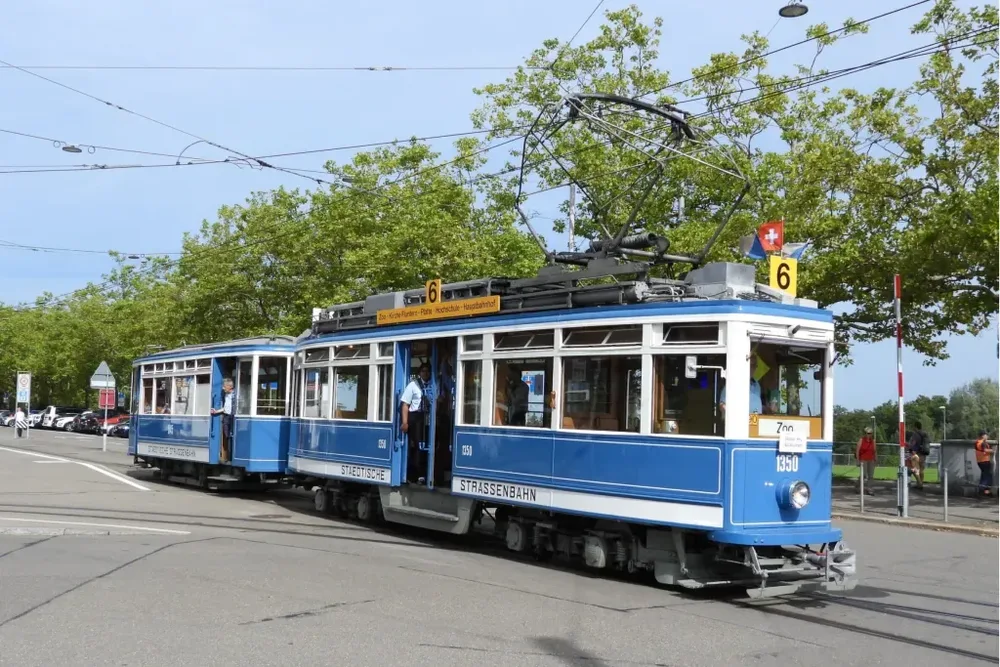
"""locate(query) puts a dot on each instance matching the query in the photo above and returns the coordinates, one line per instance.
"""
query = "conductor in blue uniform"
(414, 411)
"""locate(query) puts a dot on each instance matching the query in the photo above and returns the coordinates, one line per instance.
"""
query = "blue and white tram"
(682, 427)
(175, 392)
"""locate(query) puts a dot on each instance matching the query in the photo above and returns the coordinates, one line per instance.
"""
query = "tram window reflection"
(203, 395)
(352, 392)
(244, 389)
(271, 374)
(472, 391)
(317, 393)
(522, 388)
(385, 392)
(147, 396)
(687, 406)
(602, 393)
(791, 380)
(184, 390)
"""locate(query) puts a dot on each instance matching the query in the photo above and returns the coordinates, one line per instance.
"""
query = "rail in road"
(261, 579)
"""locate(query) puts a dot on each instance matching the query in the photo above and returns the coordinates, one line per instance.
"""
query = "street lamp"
(793, 10)
(874, 432)
(944, 409)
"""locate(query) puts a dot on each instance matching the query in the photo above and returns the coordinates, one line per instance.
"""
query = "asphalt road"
(100, 568)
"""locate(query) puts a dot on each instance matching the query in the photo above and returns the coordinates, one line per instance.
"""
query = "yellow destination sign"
(440, 310)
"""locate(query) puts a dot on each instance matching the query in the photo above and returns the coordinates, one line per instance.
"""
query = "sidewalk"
(926, 507)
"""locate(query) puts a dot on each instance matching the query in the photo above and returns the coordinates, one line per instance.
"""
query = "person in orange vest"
(984, 454)
(865, 453)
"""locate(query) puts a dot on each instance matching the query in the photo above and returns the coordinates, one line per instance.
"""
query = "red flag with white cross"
(772, 235)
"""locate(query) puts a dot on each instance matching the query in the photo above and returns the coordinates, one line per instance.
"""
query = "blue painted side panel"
(342, 441)
(172, 430)
(261, 444)
(133, 428)
(618, 464)
(754, 513)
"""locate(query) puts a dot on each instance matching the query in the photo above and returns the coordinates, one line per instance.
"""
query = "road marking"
(93, 466)
(51, 461)
(98, 525)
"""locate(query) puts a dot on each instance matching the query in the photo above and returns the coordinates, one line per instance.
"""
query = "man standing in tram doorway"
(756, 405)
(414, 410)
(227, 412)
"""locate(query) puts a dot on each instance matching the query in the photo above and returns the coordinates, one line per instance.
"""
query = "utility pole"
(572, 217)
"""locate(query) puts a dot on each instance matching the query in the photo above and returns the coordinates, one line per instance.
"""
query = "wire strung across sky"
(303, 216)
(797, 84)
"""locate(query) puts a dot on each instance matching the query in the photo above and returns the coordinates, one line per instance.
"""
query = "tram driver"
(756, 405)
(227, 411)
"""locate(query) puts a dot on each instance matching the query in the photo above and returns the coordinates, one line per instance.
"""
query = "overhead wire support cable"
(281, 68)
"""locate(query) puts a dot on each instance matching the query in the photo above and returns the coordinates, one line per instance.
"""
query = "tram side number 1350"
(787, 463)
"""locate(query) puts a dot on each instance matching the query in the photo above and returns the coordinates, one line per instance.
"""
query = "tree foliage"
(900, 179)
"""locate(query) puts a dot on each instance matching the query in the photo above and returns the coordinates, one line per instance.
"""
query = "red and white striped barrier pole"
(902, 506)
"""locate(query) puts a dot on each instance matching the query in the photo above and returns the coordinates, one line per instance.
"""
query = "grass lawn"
(881, 472)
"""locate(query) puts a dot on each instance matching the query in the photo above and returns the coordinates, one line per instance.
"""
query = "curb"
(982, 531)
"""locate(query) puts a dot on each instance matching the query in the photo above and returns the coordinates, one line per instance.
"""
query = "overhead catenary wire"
(281, 68)
(801, 82)
(223, 247)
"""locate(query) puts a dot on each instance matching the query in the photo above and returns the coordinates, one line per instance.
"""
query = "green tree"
(874, 185)
(973, 407)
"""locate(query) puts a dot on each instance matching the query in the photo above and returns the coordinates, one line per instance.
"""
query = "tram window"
(522, 388)
(690, 334)
(203, 395)
(319, 354)
(472, 391)
(148, 368)
(184, 390)
(687, 406)
(204, 363)
(147, 396)
(602, 393)
(352, 352)
(521, 340)
(790, 379)
(352, 392)
(271, 374)
(317, 393)
(385, 392)
(161, 395)
(385, 350)
(189, 364)
(245, 388)
(603, 336)
(472, 343)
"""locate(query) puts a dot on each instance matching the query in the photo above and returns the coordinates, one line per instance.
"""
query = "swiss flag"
(772, 235)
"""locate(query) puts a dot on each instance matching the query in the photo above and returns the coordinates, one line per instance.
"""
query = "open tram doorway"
(430, 372)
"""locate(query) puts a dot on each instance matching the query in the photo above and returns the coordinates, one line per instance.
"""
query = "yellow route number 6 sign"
(784, 274)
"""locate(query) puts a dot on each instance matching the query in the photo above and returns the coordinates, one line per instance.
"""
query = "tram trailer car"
(679, 427)
(172, 428)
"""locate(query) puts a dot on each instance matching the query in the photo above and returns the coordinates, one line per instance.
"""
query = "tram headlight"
(794, 495)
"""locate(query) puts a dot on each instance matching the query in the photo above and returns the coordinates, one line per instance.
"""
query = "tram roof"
(702, 310)
(224, 348)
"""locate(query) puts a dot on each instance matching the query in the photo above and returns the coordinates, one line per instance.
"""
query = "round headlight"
(799, 495)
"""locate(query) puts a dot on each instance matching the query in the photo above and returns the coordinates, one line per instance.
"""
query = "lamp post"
(944, 434)
(793, 10)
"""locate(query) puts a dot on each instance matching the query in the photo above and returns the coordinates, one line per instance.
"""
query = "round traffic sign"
(24, 380)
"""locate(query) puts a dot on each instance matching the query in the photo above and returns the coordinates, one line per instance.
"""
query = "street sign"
(784, 274)
(121, 399)
(24, 387)
(106, 400)
(102, 377)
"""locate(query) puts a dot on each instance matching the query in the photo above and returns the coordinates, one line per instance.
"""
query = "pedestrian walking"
(20, 422)
(865, 454)
(984, 455)
(920, 447)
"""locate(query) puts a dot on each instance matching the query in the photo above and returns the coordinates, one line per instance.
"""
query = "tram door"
(424, 457)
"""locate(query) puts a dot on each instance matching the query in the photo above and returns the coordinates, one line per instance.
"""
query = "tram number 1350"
(787, 463)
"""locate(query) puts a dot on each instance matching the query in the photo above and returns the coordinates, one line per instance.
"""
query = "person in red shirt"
(866, 459)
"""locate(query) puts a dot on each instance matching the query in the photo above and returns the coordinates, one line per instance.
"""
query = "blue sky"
(258, 113)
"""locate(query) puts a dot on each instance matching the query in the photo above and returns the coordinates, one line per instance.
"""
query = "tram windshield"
(790, 380)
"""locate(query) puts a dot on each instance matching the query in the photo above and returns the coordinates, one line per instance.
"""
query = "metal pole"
(861, 472)
(104, 428)
(944, 481)
(902, 508)
(572, 217)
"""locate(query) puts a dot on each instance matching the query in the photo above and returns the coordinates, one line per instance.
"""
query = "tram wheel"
(365, 509)
(321, 501)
